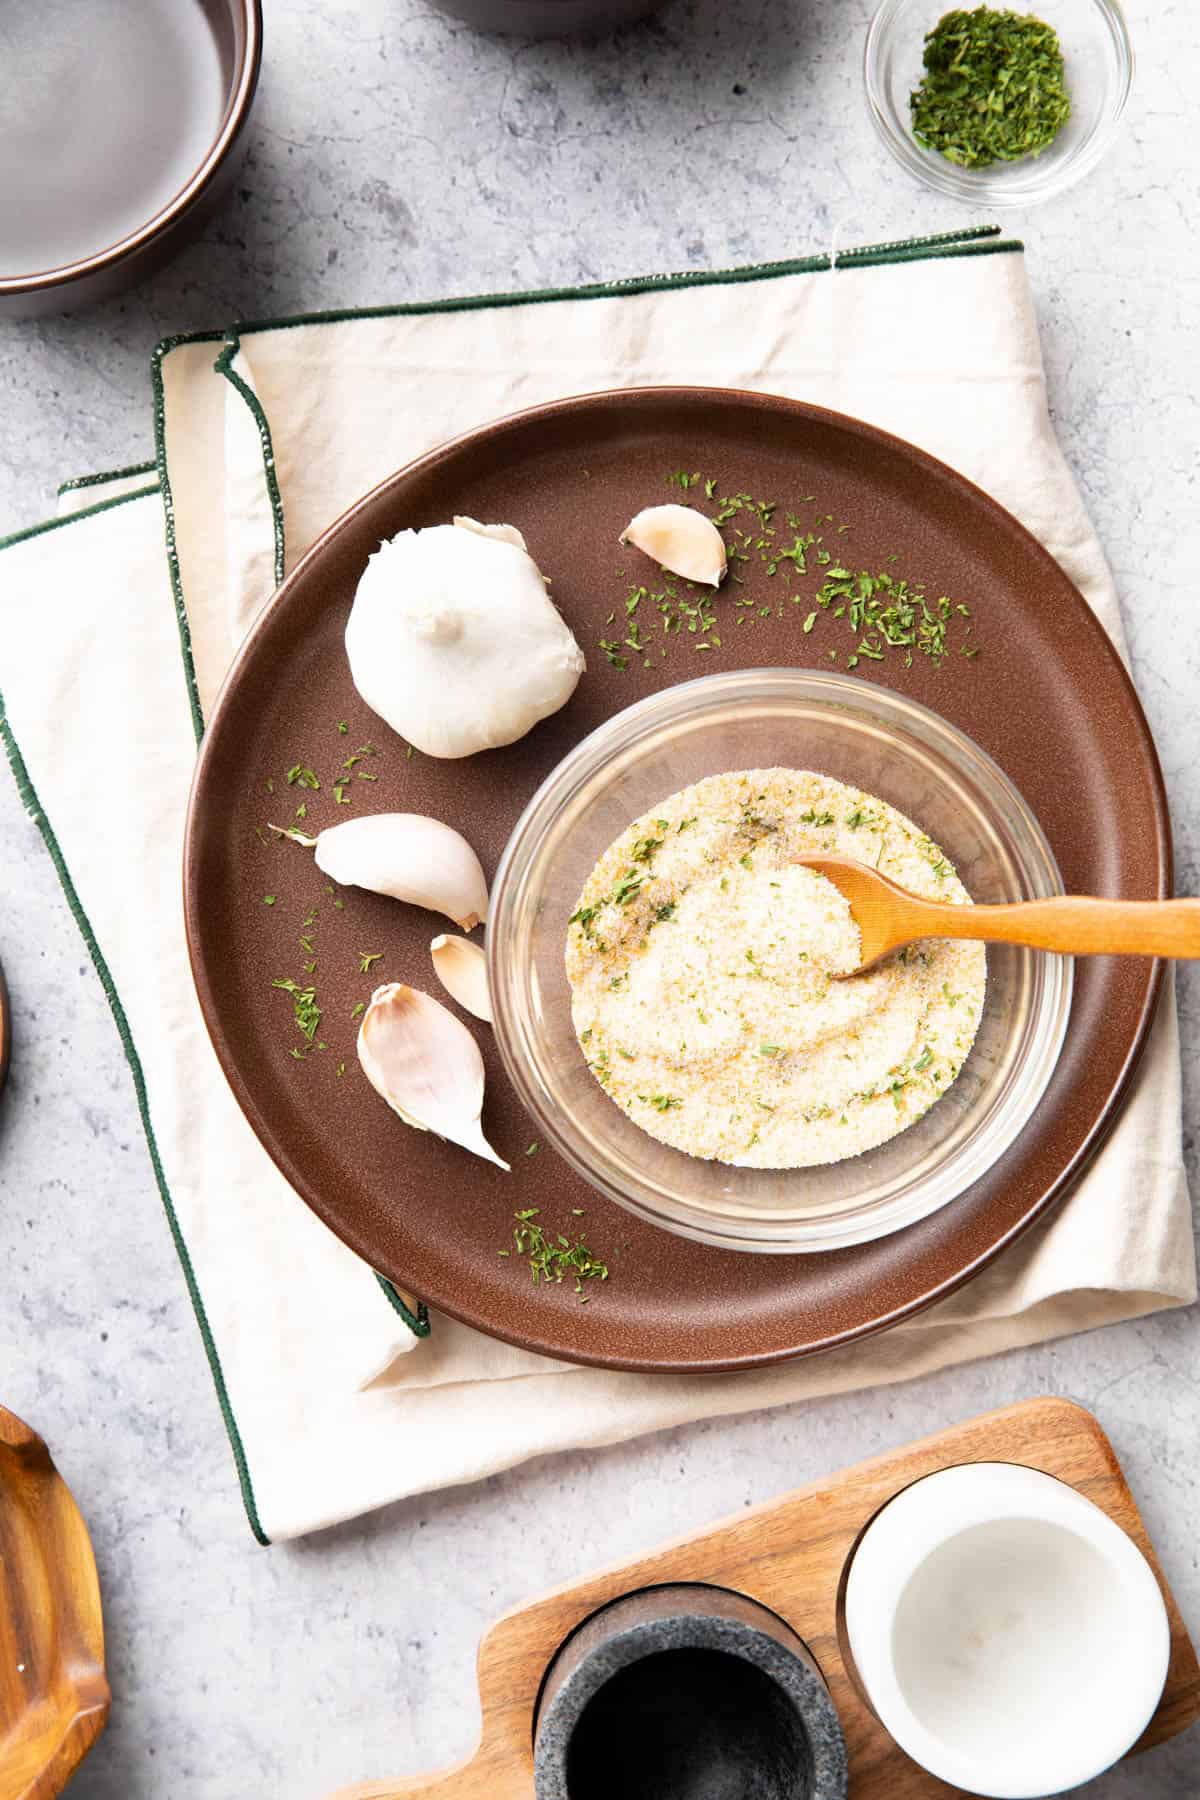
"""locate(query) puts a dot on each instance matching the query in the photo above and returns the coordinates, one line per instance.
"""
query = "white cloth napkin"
(935, 341)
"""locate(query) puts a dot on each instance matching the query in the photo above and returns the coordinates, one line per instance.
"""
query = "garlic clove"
(408, 857)
(681, 540)
(504, 534)
(426, 1065)
(454, 641)
(461, 967)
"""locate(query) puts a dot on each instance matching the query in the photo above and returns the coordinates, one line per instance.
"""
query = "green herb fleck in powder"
(627, 887)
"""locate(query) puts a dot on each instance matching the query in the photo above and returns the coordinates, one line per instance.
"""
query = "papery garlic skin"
(679, 539)
(408, 857)
(461, 967)
(453, 640)
(505, 534)
(426, 1065)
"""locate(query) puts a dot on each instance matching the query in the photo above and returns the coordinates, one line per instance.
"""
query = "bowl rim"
(972, 185)
(910, 1528)
(705, 1615)
(247, 66)
(652, 712)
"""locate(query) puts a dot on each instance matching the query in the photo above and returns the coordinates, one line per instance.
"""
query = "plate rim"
(649, 396)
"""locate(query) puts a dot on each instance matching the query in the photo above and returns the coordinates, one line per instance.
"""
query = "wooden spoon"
(888, 916)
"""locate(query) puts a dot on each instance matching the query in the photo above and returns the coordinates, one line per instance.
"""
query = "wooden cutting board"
(791, 1555)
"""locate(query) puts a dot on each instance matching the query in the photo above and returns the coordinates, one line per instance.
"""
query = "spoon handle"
(1080, 926)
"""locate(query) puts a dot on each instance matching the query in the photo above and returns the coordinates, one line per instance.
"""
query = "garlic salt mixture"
(702, 961)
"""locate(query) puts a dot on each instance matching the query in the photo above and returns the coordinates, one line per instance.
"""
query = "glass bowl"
(868, 737)
(1099, 71)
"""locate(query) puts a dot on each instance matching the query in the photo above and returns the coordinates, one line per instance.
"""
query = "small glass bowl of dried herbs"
(998, 105)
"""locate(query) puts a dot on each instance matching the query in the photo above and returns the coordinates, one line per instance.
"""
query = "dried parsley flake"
(993, 88)
(553, 1259)
(305, 1010)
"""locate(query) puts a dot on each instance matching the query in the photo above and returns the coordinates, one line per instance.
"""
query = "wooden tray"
(54, 1698)
(790, 1555)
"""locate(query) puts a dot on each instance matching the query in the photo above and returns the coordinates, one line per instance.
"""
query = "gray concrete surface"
(394, 155)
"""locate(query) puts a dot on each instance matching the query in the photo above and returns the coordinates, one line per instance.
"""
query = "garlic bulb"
(681, 540)
(426, 1065)
(407, 857)
(461, 967)
(453, 640)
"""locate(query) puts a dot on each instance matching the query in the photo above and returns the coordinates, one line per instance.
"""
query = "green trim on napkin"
(84, 512)
(224, 366)
(161, 351)
(417, 1322)
(102, 478)
(33, 806)
(972, 240)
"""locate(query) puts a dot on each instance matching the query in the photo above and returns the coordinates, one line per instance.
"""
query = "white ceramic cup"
(1010, 1637)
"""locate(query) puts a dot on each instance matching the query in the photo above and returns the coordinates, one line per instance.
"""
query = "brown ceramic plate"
(54, 1698)
(1047, 697)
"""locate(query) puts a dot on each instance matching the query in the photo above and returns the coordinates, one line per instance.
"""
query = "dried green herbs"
(993, 88)
(892, 618)
(554, 1258)
(306, 1012)
(889, 614)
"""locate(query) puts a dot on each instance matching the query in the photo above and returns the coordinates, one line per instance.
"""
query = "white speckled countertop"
(394, 155)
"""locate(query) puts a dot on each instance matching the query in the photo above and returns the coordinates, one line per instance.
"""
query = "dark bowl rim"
(237, 111)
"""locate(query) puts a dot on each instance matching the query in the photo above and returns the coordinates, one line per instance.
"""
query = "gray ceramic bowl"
(687, 1693)
(550, 18)
(118, 126)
